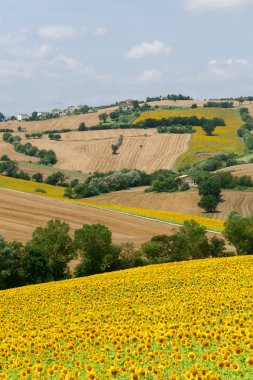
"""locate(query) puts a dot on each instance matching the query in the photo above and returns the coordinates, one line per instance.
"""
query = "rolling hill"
(166, 321)
(184, 202)
(21, 213)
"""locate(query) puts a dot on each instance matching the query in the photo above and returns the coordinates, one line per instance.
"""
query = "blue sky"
(96, 52)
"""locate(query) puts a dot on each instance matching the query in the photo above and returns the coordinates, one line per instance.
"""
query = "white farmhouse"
(187, 179)
(22, 117)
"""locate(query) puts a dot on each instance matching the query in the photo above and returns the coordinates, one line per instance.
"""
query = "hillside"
(182, 202)
(165, 321)
(140, 150)
(21, 213)
(71, 122)
(240, 170)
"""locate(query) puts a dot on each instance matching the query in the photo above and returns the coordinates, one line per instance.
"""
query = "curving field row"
(144, 151)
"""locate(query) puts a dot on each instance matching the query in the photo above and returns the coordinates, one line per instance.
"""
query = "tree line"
(208, 125)
(47, 255)
(245, 130)
(47, 157)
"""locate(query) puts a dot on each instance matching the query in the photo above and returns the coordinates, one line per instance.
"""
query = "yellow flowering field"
(57, 192)
(188, 320)
(225, 138)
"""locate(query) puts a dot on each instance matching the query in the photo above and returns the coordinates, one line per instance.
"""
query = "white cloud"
(227, 69)
(148, 49)
(77, 67)
(57, 32)
(101, 31)
(208, 5)
(151, 75)
(237, 61)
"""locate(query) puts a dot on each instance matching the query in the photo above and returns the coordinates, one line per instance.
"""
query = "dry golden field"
(91, 151)
(21, 213)
(71, 122)
(182, 203)
(240, 170)
(6, 148)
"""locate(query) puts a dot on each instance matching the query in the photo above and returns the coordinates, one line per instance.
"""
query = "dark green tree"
(35, 265)
(82, 127)
(95, 248)
(193, 240)
(239, 231)
(55, 245)
(57, 178)
(103, 117)
(208, 203)
(208, 128)
(10, 264)
(37, 177)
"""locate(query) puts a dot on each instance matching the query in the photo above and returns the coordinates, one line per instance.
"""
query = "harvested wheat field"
(71, 122)
(239, 170)
(91, 151)
(21, 213)
(182, 203)
(6, 148)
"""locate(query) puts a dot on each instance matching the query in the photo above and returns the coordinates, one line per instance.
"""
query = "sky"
(71, 52)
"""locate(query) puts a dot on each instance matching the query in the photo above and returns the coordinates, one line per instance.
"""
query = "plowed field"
(21, 213)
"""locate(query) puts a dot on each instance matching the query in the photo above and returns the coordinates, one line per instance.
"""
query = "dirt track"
(21, 213)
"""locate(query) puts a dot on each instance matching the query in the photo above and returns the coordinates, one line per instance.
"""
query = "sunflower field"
(187, 320)
(224, 140)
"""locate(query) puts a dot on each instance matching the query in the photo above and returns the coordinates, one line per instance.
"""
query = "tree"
(115, 148)
(34, 116)
(37, 177)
(208, 203)
(217, 247)
(159, 248)
(10, 264)
(135, 104)
(208, 128)
(239, 232)
(114, 115)
(103, 117)
(55, 246)
(193, 239)
(2, 117)
(57, 178)
(35, 266)
(82, 127)
(210, 186)
(94, 245)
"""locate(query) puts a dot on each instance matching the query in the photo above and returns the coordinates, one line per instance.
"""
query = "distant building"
(42, 115)
(187, 179)
(56, 111)
(127, 106)
(70, 109)
(23, 117)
